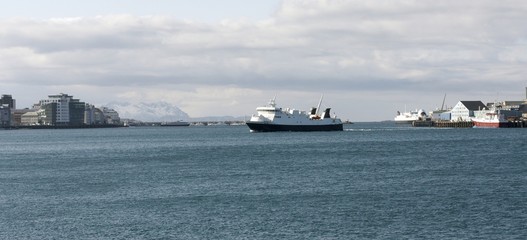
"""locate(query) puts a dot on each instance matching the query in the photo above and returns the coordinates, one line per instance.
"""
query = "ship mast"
(272, 102)
(319, 103)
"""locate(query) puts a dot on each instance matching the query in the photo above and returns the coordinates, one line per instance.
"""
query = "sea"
(370, 181)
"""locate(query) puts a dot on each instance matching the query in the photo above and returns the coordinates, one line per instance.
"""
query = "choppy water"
(373, 180)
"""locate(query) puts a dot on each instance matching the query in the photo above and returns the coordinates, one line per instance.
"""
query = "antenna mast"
(319, 103)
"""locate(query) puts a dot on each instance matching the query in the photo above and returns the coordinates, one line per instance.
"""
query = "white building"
(62, 112)
(464, 110)
(29, 119)
(62, 109)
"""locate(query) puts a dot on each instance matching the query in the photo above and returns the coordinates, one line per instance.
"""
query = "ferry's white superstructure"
(409, 117)
(272, 118)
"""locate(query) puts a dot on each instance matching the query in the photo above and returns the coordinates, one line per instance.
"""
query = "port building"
(29, 118)
(5, 116)
(61, 110)
(464, 110)
(7, 105)
(8, 99)
(112, 117)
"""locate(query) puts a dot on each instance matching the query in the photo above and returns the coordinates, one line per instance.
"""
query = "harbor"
(464, 124)
(468, 114)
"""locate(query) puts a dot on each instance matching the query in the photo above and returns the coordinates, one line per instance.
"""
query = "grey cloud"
(339, 45)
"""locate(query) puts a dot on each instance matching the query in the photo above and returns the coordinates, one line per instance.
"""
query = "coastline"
(65, 127)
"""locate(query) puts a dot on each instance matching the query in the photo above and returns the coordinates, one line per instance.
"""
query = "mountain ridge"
(160, 112)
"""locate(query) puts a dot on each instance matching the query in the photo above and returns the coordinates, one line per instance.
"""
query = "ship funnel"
(326, 114)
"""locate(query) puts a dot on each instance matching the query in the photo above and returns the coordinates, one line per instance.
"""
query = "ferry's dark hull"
(266, 127)
(176, 124)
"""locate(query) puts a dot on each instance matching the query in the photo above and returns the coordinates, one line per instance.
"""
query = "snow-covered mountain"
(149, 112)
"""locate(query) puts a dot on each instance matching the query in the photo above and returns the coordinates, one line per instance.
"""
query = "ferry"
(409, 117)
(175, 124)
(271, 118)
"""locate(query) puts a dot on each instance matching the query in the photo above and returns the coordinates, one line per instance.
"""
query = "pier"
(517, 124)
(465, 124)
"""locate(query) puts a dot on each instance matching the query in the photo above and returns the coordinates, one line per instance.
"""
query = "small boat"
(271, 118)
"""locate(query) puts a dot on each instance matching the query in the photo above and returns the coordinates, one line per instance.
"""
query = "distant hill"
(218, 119)
(149, 112)
(161, 112)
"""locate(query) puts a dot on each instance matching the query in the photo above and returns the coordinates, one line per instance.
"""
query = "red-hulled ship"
(490, 119)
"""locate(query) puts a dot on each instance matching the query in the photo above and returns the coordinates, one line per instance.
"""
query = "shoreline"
(65, 127)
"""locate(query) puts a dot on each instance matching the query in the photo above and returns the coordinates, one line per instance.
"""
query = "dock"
(464, 124)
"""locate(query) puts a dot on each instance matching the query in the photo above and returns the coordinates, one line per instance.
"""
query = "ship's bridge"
(268, 109)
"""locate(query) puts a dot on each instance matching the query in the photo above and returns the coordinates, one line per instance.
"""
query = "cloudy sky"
(210, 58)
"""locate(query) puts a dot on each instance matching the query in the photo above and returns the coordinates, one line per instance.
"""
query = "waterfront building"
(523, 106)
(523, 110)
(445, 116)
(507, 105)
(16, 115)
(464, 110)
(62, 109)
(29, 119)
(439, 115)
(7, 105)
(8, 99)
(5, 115)
(47, 115)
(76, 112)
(112, 117)
(93, 116)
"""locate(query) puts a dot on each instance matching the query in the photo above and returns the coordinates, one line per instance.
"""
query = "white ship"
(272, 118)
(492, 118)
(409, 117)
